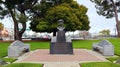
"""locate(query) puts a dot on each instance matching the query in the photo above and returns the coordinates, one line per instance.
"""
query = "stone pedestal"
(61, 44)
(61, 38)
(61, 48)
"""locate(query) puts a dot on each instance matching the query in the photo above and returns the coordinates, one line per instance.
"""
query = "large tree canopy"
(45, 18)
(109, 9)
(64, 12)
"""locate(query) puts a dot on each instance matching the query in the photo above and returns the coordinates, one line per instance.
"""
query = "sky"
(97, 23)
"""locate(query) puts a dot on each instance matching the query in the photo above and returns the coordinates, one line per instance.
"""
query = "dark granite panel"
(61, 48)
(61, 37)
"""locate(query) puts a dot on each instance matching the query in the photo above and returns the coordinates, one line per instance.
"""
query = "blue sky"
(97, 22)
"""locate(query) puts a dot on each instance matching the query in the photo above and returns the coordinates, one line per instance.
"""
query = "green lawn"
(10, 60)
(39, 45)
(99, 64)
(116, 43)
(3, 48)
(33, 45)
(24, 65)
(112, 59)
(77, 44)
(84, 44)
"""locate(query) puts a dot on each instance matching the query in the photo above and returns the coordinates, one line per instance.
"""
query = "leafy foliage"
(64, 12)
(106, 8)
(105, 32)
(73, 14)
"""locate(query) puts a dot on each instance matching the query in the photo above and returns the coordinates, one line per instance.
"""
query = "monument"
(61, 44)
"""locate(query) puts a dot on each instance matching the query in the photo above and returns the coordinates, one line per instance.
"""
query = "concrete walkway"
(61, 64)
(58, 60)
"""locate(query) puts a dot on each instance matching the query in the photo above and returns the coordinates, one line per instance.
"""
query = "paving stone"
(80, 55)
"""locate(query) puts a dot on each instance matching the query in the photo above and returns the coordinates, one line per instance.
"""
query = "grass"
(3, 49)
(84, 44)
(112, 59)
(116, 43)
(33, 46)
(24, 65)
(78, 44)
(99, 64)
(11, 60)
(87, 44)
(39, 45)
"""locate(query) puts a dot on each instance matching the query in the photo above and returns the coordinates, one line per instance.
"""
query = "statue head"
(60, 25)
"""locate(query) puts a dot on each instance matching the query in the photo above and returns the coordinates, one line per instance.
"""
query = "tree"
(105, 32)
(109, 9)
(1, 28)
(17, 10)
(73, 14)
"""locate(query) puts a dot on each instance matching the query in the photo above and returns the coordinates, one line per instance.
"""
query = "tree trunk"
(118, 29)
(22, 30)
(16, 31)
(20, 36)
(116, 18)
(24, 27)
(17, 34)
(54, 33)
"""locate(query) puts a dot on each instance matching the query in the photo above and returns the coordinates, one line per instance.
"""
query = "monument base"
(61, 48)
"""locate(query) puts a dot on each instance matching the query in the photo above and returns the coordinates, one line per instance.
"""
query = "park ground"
(77, 44)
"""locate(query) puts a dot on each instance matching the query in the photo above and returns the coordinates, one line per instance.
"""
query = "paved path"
(80, 55)
(61, 64)
(58, 60)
